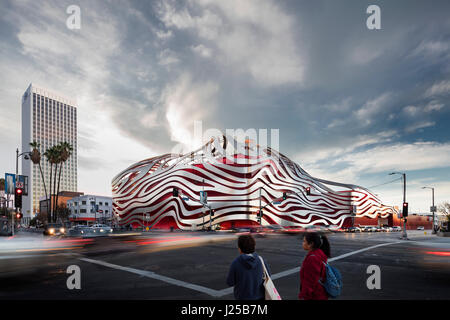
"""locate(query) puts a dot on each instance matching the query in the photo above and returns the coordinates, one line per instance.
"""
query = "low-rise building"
(90, 209)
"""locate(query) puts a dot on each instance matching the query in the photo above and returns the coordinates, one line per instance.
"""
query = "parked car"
(80, 230)
(420, 228)
(370, 229)
(396, 229)
(353, 229)
(335, 228)
(54, 229)
(312, 228)
(101, 229)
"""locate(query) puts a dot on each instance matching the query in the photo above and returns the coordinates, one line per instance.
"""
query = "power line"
(378, 185)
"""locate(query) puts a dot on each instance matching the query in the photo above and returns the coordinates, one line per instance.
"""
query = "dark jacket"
(311, 271)
(246, 275)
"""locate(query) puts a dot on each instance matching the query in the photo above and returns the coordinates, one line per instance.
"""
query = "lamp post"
(433, 209)
(404, 235)
(27, 154)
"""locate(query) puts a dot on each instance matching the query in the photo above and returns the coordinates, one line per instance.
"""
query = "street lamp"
(404, 235)
(433, 208)
(26, 155)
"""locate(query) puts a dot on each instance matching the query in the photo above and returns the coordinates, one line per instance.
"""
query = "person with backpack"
(312, 271)
(246, 271)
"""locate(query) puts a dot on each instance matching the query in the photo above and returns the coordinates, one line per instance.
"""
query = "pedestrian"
(246, 271)
(313, 267)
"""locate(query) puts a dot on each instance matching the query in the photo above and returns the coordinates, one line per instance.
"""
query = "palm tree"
(57, 160)
(36, 158)
(66, 151)
(50, 154)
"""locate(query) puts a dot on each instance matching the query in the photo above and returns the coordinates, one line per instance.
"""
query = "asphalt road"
(179, 265)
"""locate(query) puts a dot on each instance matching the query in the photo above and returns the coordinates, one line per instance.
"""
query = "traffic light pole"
(433, 229)
(404, 236)
(259, 212)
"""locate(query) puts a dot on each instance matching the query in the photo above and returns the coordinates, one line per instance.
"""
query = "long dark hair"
(318, 241)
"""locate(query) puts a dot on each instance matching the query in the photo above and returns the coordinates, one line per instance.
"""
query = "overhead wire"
(382, 184)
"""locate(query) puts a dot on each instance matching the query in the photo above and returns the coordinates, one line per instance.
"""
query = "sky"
(351, 104)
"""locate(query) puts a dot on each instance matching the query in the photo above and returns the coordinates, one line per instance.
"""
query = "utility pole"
(433, 209)
(259, 212)
(404, 235)
(433, 230)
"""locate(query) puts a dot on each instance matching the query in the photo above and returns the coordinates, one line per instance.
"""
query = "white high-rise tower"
(47, 118)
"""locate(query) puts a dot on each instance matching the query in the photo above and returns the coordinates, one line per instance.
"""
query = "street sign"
(277, 202)
(185, 198)
(10, 183)
(433, 209)
(23, 180)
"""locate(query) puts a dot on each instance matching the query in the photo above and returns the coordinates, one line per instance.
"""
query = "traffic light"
(284, 195)
(308, 191)
(18, 197)
(19, 215)
(405, 209)
(175, 192)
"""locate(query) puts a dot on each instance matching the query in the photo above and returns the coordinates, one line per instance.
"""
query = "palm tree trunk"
(43, 181)
(54, 189)
(49, 202)
(59, 181)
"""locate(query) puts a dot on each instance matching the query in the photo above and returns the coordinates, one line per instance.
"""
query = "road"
(194, 265)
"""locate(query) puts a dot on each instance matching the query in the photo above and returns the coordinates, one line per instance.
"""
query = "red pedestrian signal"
(405, 209)
(308, 190)
(18, 197)
(19, 215)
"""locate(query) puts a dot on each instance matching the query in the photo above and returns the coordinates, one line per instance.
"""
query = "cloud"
(440, 88)
(364, 54)
(374, 106)
(419, 125)
(347, 145)
(256, 39)
(167, 57)
(433, 106)
(430, 49)
(406, 157)
(186, 101)
(202, 50)
(411, 110)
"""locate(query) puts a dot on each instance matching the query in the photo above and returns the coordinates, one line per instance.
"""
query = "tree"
(41, 217)
(51, 155)
(63, 213)
(65, 150)
(36, 159)
(444, 208)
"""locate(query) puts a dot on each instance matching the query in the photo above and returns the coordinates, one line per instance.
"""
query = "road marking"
(297, 269)
(153, 275)
(223, 292)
